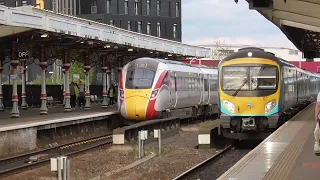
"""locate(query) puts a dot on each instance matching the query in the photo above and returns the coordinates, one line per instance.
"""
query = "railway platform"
(25, 134)
(285, 154)
(31, 117)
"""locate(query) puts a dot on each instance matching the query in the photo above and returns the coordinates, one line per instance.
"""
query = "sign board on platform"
(14, 77)
(76, 76)
(22, 55)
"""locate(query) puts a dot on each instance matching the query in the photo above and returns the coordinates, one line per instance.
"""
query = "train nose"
(136, 107)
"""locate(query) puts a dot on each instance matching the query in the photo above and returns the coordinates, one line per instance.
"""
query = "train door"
(207, 87)
(173, 90)
(200, 87)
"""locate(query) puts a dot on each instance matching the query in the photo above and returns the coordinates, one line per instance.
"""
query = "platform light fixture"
(169, 55)
(45, 35)
(107, 46)
(130, 50)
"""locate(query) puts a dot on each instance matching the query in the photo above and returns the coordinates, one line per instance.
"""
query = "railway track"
(19, 163)
(216, 165)
(30, 160)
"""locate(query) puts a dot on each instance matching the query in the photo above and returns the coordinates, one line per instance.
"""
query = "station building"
(159, 18)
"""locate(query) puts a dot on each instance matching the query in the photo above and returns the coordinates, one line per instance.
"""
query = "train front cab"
(249, 92)
(139, 89)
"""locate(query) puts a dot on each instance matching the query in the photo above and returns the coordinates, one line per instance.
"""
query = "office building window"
(175, 31)
(24, 3)
(129, 25)
(158, 8)
(94, 8)
(159, 29)
(169, 8)
(111, 23)
(148, 7)
(149, 28)
(17, 4)
(126, 7)
(108, 6)
(2, 2)
(139, 27)
(136, 9)
(165, 29)
(177, 9)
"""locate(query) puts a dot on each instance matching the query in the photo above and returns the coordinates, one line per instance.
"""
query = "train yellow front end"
(249, 94)
(137, 101)
(139, 88)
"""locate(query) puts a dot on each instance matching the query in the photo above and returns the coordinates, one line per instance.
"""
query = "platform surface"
(287, 154)
(31, 116)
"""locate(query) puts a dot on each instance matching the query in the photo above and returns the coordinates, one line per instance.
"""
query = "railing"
(34, 93)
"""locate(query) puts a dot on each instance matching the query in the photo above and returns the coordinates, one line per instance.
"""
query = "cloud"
(205, 21)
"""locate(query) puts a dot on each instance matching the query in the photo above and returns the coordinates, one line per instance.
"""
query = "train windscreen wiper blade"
(244, 82)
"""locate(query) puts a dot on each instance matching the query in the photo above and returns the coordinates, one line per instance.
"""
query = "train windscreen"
(250, 79)
(139, 78)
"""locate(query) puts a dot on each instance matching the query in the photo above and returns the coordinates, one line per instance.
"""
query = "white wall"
(284, 53)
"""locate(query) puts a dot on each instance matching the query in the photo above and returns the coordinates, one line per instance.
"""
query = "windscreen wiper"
(244, 82)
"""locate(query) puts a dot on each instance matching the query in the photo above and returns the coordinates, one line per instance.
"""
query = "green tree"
(78, 68)
(52, 80)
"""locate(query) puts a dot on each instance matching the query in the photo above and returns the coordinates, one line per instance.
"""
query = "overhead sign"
(22, 55)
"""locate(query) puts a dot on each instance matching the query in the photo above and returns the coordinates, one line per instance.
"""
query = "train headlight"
(269, 106)
(228, 105)
(154, 94)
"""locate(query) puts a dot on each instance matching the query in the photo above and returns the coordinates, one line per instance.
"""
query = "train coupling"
(248, 124)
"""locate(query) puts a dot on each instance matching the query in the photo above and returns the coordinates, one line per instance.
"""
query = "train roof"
(251, 52)
(166, 61)
(254, 52)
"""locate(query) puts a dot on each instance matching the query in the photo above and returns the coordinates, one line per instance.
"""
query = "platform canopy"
(299, 20)
(21, 20)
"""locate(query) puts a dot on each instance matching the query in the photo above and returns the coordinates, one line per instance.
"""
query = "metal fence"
(34, 93)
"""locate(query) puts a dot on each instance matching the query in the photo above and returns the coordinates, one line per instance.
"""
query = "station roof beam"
(299, 20)
(43, 26)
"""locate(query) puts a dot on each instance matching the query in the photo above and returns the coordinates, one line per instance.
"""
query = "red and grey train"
(151, 88)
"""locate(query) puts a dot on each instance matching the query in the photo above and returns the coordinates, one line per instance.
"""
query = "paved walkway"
(32, 114)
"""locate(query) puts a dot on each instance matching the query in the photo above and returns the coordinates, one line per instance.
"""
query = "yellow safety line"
(85, 142)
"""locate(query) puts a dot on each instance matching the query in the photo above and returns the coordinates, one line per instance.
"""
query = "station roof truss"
(299, 20)
(28, 25)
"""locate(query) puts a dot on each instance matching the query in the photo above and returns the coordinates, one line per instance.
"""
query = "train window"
(139, 79)
(182, 84)
(165, 79)
(173, 83)
(186, 81)
(206, 87)
(263, 77)
(192, 84)
(234, 78)
(212, 86)
(178, 84)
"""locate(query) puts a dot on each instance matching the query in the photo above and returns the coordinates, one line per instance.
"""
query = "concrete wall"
(17, 141)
